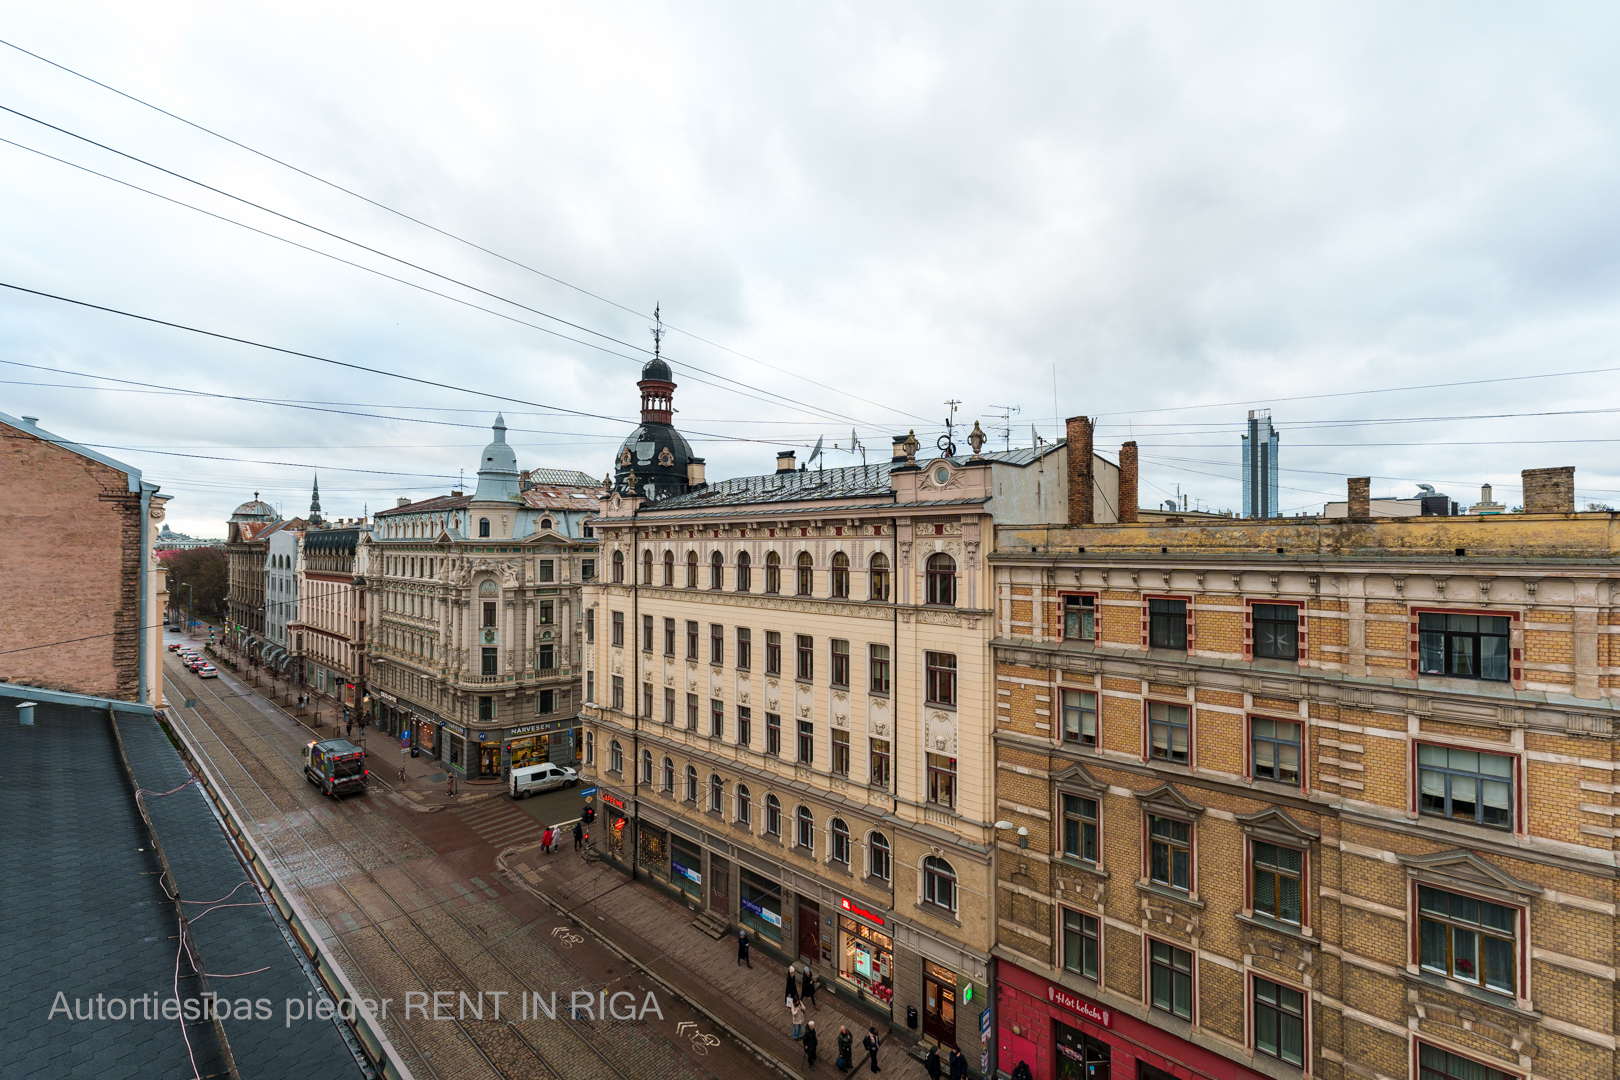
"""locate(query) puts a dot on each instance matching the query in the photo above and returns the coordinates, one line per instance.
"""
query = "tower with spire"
(654, 461)
(498, 476)
(315, 503)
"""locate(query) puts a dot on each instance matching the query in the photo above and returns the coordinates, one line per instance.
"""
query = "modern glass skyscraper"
(1260, 466)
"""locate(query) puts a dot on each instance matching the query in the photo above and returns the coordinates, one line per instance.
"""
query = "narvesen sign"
(1089, 1009)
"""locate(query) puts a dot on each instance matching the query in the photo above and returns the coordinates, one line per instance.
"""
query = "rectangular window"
(1278, 876)
(1169, 732)
(646, 699)
(1080, 618)
(717, 643)
(745, 648)
(490, 659)
(840, 752)
(486, 708)
(618, 692)
(669, 637)
(1080, 938)
(878, 665)
(548, 570)
(669, 706)
(1467, 939)
(618, 629)
(1172, 981)
(805, 668)
(879, 752)
(590, 626)
(773, 734)
(717, 718)
(941, 678)
(546, 701)
(1464, 646)
(646, 633)
(1279, 1021)
(773, 653)
(548, 612)
(942, 781)
(1466, 785)
(587, 567)
(691, 712)
(1276, 631)
(1167, 624)
(807, 742)
(691, 639)
(745, 725)
(1275, 745)
(1170, 858)
(489, 613)
(1080, 717)
(1437, 1064)
(1080, 828)
(590, 686)
(839, 651)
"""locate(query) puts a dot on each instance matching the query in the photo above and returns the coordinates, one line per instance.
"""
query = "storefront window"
(615, 835)
(525, 752)
(866, 958)
(653, 850)
(686, 866)
(761, 906)
(1079, 1056)
(455, 749)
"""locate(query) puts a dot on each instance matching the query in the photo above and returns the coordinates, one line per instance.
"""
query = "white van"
(533, 779)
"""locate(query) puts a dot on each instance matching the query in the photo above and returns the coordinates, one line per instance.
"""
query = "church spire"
(315, 502)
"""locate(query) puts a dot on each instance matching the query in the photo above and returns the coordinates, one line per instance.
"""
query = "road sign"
(586, 793)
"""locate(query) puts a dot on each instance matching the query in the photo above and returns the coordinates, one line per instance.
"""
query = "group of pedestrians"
(936, 1069)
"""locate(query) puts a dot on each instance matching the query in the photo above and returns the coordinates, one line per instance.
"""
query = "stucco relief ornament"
(665, 458)
(509, 575)
(624, 456)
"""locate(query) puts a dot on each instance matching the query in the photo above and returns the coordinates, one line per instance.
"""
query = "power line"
(442, 232)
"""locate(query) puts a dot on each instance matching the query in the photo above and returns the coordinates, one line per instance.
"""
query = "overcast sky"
(1122, 210)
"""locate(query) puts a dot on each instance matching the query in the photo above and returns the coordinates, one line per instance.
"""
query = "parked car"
(208, 671)
(533, 779)
(175, 646)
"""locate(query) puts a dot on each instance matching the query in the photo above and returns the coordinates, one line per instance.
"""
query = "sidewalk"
(659, 933)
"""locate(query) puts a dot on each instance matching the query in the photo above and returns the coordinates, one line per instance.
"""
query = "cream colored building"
(788, 701)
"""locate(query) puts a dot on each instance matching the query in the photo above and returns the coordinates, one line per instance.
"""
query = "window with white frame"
(691, 784)
(1468, 939)
(939, 883)
(1466, 785)
(1080, 717)
(806, 835)
(877, 846)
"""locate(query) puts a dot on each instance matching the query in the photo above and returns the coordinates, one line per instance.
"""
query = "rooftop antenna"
(1005, 416)
(946, 444)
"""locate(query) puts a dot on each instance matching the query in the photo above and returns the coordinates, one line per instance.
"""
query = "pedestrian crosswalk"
(501, 824)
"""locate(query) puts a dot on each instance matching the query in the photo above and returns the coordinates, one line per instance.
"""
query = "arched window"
(773, 572)
(717, 793)
(878, 577)
(878, 845)
(483, 526)
(669, 776)
(646, 767)
(717, 571)
(545, 523)
(806, 837)
(773, 816)
(691, 784)
(939, 883)
(669, 569)
(941, 580)
(744, 583)
(691, 569)
(618, 568)
(615, 757)
(838, 841)
(805, 580)
(646, 567)
(840, 575)
(745, 810)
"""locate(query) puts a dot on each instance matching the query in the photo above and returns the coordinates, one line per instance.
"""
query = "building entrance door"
(719, 885)
(809, 931)
(939, 1003)
(489, 759)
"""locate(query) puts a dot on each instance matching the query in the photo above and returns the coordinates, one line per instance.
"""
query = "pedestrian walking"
(792, 985)
(742, 947)
(931, 1064)
(810, 1045)
(450, 785)
(1022, 1071)
(846, 1049)
(871, 1044)
(545, 841)
(795, 1010)
(807, 987)
(579, 835)
(958, 1065)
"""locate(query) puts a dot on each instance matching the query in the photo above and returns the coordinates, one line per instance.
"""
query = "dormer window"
(545, 523)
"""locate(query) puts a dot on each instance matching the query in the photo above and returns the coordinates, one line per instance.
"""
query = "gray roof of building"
(846, 482)
(87, 914)
(561, 478)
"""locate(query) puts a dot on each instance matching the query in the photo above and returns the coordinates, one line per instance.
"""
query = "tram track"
(406, 945)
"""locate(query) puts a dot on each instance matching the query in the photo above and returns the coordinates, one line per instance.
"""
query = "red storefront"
(1067, 1036)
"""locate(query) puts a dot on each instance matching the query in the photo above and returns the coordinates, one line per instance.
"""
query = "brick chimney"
(1360, 498)
(1549, 491)
(1082, 484)
(1127, 482)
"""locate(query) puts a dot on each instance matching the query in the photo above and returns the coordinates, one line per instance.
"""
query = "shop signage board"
(1078, 1005)
(687, 872)
(844, 902)
(769, 916)
(613, 800)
